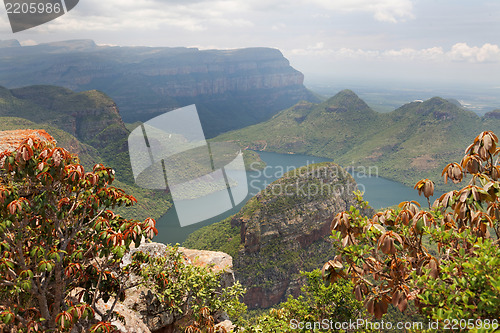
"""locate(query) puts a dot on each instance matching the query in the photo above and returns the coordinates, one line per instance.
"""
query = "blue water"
(378, 191)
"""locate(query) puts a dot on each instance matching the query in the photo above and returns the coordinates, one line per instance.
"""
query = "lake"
(378, 191)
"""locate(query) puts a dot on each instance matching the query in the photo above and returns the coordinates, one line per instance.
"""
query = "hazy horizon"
(448, 47)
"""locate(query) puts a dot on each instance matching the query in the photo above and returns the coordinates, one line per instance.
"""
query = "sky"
(423, 41)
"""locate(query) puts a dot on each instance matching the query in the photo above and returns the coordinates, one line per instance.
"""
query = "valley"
(232, 88)
(272, 236)
(249, 166)
(378, 191)
(414, 141)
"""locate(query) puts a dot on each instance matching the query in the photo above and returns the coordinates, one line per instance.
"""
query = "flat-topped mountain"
(412, 142)
(231, 88)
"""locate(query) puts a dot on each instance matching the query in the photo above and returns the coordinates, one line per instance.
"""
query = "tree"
(60, 245)
(319, 304)
(194, 292)
(388, 261)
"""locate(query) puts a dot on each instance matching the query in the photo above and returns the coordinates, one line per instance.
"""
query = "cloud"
(28, 42)
(382, 10)
(407, 53)
(486, 53)
(4, 23)
(203, 15)
(147, 15)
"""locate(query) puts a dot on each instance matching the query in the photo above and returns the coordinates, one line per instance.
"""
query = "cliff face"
(183, 72)
(228, 86)
(285, 229)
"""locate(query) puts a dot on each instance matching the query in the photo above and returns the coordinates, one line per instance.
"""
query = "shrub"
(386, 258)
(320, 304)
(60, 245)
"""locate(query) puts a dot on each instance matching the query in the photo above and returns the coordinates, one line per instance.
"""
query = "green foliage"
(388, 261)
(318, 303)
(468, 287)
(61, 250)
(60, 245)
(218, 236)
(193, 291)
(412, 142)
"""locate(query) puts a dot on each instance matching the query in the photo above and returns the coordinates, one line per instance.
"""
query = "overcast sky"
(419, 40)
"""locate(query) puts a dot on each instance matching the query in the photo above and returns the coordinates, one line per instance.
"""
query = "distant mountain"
(414, 141)
(231, 88)
(9, 43)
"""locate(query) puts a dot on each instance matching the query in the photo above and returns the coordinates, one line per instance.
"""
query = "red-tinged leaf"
(395, 297)
(370, 306)
(377, 310)
(358, 294)
(403, 303)
(14, 206)
(434, 269)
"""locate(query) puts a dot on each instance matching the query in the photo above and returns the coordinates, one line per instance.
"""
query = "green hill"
(86, 123)
(407, 144)
(282, 230)
(90, 116)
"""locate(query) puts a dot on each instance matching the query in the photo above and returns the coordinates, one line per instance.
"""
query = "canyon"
(231, 88)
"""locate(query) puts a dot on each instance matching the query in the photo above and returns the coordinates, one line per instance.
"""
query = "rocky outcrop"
(10, 140)
(285, 229)
(144, 314)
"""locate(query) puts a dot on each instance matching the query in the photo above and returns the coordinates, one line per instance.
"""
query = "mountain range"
(231, 88)
(412, 142)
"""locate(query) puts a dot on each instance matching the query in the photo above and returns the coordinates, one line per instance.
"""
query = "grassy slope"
(88, 155)
(49, 108)
(413, 142)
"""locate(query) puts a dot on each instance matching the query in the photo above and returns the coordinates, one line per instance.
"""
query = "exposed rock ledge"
(141, 317)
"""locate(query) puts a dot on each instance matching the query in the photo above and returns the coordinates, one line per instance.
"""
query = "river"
(378, 191)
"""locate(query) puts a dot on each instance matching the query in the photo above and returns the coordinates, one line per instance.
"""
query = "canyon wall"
(231, 88)
(285, 229)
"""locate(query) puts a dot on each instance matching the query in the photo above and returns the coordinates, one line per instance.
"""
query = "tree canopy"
(60, 244)
(389, 257)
